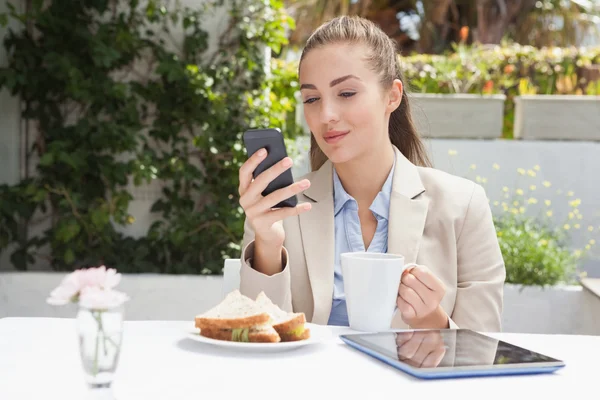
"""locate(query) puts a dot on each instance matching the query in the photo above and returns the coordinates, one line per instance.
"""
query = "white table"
(39, 359)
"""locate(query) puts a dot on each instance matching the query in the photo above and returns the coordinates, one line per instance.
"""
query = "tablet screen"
(447, 348)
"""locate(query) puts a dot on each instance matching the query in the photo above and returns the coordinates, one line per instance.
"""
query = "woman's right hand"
(264, 220)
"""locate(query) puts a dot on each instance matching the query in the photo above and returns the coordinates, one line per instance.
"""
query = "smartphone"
(270, 139)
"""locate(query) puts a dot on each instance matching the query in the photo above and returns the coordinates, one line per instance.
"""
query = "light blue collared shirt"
(348, 236)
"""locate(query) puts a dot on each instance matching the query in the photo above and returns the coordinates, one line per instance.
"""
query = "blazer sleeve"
(481, 269)
(277, 287)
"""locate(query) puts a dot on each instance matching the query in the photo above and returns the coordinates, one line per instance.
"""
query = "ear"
(395, 96)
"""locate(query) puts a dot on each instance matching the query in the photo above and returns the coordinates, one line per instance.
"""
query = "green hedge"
(509, 69)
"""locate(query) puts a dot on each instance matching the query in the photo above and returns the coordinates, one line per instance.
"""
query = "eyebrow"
(334, 82)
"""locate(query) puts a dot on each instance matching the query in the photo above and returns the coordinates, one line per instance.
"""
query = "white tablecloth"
(39, 359)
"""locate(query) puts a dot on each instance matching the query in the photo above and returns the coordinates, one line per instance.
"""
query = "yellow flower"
(505, 206)
(496, 203)
(484, 180)
(478, 178)
(130, 219)
(499, 233)
(592, 242)
(577, 253)
(496, 167)
(519, 192)
(543, 242)
(452, 152)
(515, 203)
(514, 211)
(521, 171)
(547, 184)
(587, 247)
(532, 201)
(571, 215)
(505, 189)
(570, 193)
(575, 203)
(532, 187)
(577, 226)
(575, 211)
(549, 213)
(537, 167)
(522, 210)
(579, 216)
(567, 227)
(531, 173)
(473, 166)
(591, 228)
(548, 203)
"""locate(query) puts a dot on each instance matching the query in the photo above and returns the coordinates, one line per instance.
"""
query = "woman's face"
(344, 105)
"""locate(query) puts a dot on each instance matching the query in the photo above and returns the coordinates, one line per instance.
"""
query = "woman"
(371, 187)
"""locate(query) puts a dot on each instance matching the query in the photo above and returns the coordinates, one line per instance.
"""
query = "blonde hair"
(383, 59)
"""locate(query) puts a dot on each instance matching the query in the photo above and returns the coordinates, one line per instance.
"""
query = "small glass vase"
(100, 336)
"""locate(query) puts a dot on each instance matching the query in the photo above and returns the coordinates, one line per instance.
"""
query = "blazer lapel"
(317, 230)
(407, 216)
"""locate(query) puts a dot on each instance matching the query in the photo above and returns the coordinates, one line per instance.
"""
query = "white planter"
(458, 115)
(557, 117)
(556, 309)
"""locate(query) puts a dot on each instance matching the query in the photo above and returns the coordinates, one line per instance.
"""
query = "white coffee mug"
(371, 283)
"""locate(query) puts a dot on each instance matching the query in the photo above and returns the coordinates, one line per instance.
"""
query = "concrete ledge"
(556, 310)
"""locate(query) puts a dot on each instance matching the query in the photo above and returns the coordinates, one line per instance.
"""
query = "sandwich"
(289, 326)
(239, 319)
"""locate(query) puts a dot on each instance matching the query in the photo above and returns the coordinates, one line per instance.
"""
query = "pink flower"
(96, 298)
(73, 284)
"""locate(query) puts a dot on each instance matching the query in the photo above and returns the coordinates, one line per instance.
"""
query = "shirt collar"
(381, 204)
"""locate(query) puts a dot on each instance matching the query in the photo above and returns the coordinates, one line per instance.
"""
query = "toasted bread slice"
(265, 334)
(236, 311)
(289, 326)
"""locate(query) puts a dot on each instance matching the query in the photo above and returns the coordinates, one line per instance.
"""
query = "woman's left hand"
(419, 298)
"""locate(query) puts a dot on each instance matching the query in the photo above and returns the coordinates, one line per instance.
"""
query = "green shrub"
(538, 249)
(113, 98)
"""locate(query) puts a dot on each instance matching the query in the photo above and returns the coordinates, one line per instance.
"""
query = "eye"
(311, 100)
(347, 94)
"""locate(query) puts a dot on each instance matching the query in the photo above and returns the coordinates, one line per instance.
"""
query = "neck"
(364, 177)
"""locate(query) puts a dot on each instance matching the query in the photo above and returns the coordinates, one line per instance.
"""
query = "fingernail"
(287, 162)
(304, 184)
(262, 152)
(306, 206)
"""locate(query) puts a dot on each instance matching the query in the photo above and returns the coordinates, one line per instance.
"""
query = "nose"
(329, 112)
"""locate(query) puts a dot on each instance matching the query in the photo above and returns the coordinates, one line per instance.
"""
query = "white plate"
(318, 334)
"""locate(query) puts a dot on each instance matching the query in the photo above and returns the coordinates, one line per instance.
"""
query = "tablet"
(450, 353)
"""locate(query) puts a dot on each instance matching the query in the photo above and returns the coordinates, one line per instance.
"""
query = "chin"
(340, 155)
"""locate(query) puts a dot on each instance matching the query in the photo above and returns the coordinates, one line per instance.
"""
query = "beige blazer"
(436, 219)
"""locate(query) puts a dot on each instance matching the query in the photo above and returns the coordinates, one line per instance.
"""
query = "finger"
(410, 348)
(403, 337)
(423, 274)
(426, 347)
(246, 170)
(262, 181)
(434, 358)
(278, 196)
(420, 289)
(407, 310)
(412, 298)
(273, 216)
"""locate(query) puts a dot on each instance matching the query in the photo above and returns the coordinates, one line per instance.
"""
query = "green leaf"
(69, 256)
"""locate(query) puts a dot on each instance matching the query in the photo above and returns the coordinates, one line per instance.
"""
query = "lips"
(335, 136)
